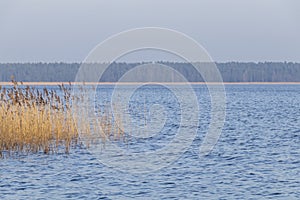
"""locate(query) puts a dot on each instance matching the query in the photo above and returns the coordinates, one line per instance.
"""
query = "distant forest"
(230, 71)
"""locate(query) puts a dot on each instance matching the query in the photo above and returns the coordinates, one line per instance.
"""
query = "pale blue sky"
(230, 30)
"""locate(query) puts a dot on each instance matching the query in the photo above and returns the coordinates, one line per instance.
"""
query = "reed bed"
(41, 120)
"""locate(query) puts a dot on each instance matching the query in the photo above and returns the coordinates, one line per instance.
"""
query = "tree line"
(230, 71)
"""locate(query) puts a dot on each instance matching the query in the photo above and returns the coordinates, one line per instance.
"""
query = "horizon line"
(146, 62)
(57, 83)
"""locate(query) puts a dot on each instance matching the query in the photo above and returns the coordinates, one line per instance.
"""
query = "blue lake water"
(257, 155)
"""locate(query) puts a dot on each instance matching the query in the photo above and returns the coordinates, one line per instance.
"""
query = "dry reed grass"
(34, 120)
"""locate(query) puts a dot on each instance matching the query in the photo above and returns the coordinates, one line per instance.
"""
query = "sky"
(230, 30)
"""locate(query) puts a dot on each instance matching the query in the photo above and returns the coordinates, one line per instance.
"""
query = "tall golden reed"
(34, 120)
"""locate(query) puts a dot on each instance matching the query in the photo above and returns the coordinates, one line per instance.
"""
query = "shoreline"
(137, 83)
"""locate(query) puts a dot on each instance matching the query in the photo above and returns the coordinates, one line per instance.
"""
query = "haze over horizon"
(232, 30)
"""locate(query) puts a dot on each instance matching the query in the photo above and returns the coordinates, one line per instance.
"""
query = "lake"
(256, 157)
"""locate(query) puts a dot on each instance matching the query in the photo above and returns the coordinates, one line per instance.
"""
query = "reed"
(34, 120)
